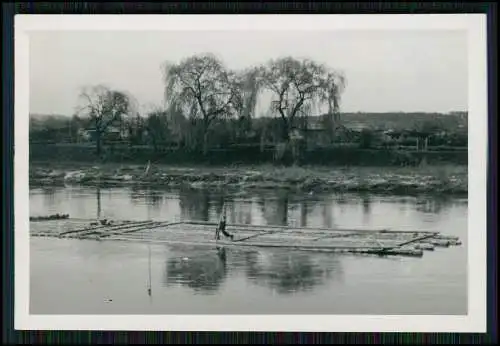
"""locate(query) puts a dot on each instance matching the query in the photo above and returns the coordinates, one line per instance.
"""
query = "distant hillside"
(48, 121)
(400, 121)
(397, 121)
(46, 116)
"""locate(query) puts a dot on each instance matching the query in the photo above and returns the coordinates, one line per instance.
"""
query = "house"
(112, 133)
(85, 135)
(356, 126)
(320, 131)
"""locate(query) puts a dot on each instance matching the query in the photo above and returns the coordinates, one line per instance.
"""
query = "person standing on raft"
(222, 227)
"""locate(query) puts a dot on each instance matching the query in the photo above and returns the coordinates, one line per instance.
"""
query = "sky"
(386, 71)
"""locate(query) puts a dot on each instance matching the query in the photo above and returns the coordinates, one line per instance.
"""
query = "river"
(71, 276)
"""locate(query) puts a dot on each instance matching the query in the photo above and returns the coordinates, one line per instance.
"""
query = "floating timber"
(363, 241)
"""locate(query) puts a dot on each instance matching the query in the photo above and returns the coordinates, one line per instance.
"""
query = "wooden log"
(142, 227)
(417, 239)
(339, 235)
(247, 226)
(447, 237)
(354, 250)
(425, 246)
(437, 242)
(108, 227)
(401, 252)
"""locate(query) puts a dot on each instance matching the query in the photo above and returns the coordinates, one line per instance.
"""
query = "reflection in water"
(194, 204)
(275, 209)
(99, 205)
(326, 213)
(431, 205)
(240, 212)
(303, 213)
(203, 272)
(49, 191)
(136, 193)
(367, 203)
(282, 209)
(49, 196)
(367, 210)
(152, 198)
(272, 207)
(289, 272)
(218, 202)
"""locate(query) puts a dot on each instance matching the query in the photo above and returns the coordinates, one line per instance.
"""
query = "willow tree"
(298, 86)
(201, 86)
(104, 106)
(247, 90)
(334, 86)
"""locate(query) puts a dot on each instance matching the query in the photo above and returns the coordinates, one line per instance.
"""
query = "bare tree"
(104, 106)
(299, 85)
(202, 87)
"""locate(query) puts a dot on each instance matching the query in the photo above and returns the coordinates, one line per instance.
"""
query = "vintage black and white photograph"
(240, 168)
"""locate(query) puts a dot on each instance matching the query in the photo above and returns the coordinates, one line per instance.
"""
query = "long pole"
(149, 269)
(149, 243)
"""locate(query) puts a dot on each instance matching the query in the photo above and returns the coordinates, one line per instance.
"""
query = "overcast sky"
(385, 70)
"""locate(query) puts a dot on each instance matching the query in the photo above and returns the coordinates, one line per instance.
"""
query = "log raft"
(359, 241)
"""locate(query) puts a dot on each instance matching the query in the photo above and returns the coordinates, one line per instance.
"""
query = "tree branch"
(297, 107)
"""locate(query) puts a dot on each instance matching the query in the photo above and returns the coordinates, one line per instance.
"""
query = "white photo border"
(474, 321)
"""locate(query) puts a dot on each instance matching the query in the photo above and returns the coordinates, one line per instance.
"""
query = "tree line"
(207, 104)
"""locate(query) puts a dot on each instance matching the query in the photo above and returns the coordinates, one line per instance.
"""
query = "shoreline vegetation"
(425, 179)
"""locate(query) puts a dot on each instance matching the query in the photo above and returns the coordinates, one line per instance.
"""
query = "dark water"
(89, 277)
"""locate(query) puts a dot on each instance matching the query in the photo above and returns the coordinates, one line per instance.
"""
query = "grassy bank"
(438, 179)
(247, 155)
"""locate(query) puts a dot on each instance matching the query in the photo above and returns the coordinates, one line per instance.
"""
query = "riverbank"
(251, 155)
(445, 179)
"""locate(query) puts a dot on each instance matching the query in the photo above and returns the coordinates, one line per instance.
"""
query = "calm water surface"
(88, 277)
